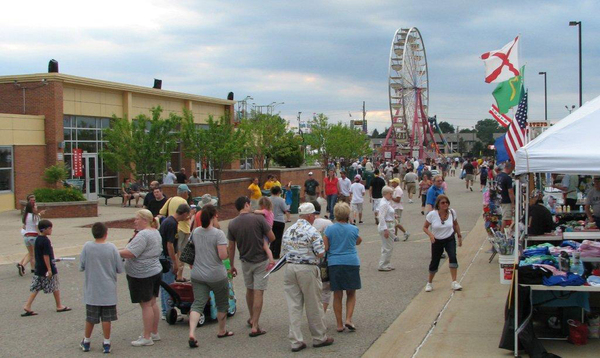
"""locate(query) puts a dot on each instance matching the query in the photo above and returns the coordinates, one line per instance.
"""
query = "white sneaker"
(406, 236)
(410, 201)
(142, 342)
(155, 336)
(163, 317)
(428, 287)
(456, 286)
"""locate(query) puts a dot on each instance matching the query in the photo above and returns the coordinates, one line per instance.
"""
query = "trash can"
(295, 199)
(351, 174)
(265, 192)
(367, 177)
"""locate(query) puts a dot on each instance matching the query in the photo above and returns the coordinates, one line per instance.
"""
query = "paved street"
(383, 298)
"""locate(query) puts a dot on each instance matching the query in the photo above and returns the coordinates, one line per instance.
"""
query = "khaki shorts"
(254, 273)
(398, 213)
(357, 207)
(469, 177)
(376, 203)
(182, 239)
(411, 187)
(507, 212)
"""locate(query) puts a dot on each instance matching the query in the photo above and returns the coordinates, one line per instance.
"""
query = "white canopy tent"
(572, 146)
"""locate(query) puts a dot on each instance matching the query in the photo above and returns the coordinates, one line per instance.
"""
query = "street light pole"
(578, 24)
(545, 97)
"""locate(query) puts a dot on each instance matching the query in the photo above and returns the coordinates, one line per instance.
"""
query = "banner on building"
(77, 163)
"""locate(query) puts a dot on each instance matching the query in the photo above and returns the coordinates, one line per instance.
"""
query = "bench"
(110, 192)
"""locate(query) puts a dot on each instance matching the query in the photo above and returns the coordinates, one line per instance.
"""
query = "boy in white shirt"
(357, 193)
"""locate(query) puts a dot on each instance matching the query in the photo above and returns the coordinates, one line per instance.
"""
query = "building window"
(6, 169)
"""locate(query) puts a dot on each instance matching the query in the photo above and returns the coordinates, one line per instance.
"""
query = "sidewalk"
(465, 323)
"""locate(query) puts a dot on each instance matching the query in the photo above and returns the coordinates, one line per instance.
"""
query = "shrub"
(56, 173)
(288, 152)
(49, 195)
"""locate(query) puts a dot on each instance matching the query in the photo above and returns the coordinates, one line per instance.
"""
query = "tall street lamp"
(545, 97)
(578, 24)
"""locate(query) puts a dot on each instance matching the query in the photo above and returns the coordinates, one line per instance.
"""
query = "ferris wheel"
(408, 88)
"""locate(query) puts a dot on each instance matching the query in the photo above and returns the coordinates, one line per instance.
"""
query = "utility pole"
(364, 118)
(299, 126)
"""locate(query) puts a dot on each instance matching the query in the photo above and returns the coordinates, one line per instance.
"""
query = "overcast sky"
(316, 56)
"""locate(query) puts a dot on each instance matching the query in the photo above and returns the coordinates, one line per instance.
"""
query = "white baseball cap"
(306, 209)
(310, 173)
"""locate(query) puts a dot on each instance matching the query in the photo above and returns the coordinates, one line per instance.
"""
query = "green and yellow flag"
(508, 93)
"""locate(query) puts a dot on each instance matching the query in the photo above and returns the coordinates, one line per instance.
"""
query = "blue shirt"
(342, 245)
(432, 194)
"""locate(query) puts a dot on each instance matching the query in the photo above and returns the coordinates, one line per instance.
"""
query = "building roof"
(90, 82)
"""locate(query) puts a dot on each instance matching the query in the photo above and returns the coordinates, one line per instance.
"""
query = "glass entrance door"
(90, 171)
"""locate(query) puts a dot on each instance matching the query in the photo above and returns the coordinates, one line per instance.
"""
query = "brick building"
(43, 117)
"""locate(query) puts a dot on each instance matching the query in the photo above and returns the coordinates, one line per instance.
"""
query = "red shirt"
(331, 186)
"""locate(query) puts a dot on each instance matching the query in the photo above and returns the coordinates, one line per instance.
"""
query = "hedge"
(49, 195)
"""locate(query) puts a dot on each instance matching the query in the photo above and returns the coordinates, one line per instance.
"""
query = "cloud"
(315, 56)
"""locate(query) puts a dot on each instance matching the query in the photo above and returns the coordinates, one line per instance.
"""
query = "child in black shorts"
(45, 276)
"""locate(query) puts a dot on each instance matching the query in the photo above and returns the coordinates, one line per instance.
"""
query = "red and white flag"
(503, 119)
(502, 65)
(515, 136)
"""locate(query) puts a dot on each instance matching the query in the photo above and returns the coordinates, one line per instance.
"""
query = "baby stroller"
(181, 296)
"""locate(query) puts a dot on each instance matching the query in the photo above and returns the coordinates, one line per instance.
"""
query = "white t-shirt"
(358, 192)
(345, 186)
(321, 224)
(441, 230)
(169, 178)
(397, 194)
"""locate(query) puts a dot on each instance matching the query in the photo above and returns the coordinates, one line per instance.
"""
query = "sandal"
(260, 332)
(21, 269)
(28, 313)
(183, 279)
(64, 309)
(227, 334)
(193, 343)
(350, 327)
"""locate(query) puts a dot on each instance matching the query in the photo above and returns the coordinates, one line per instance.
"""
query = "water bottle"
(564, 263)
(577, 267)
(580, 208)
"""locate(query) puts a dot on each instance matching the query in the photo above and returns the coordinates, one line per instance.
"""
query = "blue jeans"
(167, 278)
(331, 200)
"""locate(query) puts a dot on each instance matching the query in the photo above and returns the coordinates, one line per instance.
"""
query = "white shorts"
(356, 207)
(376, 203)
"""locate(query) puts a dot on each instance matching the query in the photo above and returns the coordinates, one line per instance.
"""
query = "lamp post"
(578, 24)
(545, 97)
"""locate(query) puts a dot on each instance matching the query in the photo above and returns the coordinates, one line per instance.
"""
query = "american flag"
(515, 137)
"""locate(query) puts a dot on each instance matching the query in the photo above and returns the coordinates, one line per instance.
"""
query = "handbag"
(188, 253)
(166, 264)
(324, 268)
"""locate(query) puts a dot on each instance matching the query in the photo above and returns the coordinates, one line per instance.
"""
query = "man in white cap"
(311, 188)
(357, 193)
(303, 245)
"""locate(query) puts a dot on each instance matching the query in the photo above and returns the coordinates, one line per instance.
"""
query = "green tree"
(446, 127)
(477, 149)
(263, 133)
(56, 174)
(375, 133)
(316, 139)
(141, 146)
(467, 130)
(343, 141)
(219, 144)
(288, 151)
(486, 128)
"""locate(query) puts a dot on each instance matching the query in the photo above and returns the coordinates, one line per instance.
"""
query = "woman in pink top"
(266, 209)
(424, 185)
(331, 192)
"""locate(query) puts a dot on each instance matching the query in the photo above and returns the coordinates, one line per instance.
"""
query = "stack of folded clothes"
(590, 248)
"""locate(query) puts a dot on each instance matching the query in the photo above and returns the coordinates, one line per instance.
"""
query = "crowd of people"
(320, 249)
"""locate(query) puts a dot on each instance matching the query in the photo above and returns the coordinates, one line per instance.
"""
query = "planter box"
(67, 209)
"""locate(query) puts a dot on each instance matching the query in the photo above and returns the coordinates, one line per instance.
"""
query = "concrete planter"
(67, 209)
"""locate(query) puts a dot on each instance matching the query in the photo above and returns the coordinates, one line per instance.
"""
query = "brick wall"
(40, 99)
(28, 171)
(74, 209)
(230, 189)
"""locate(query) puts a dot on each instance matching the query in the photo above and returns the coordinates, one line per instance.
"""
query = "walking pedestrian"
(183, 226)
(396, 204)
(303, 245)
(344, 185)
(377, 183)
(46, 275)
(441, 225)
(247, 231)
(424, 186)
(311, 188)
(433, 192)
(168, 233)
(254, 193)
(357, 193)
(209, 273)
(280, 211)
(144, 272)
(100, 261)
(340, 242)
(385, 226)
(331, 192)
(410, 184)
(29, 232)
